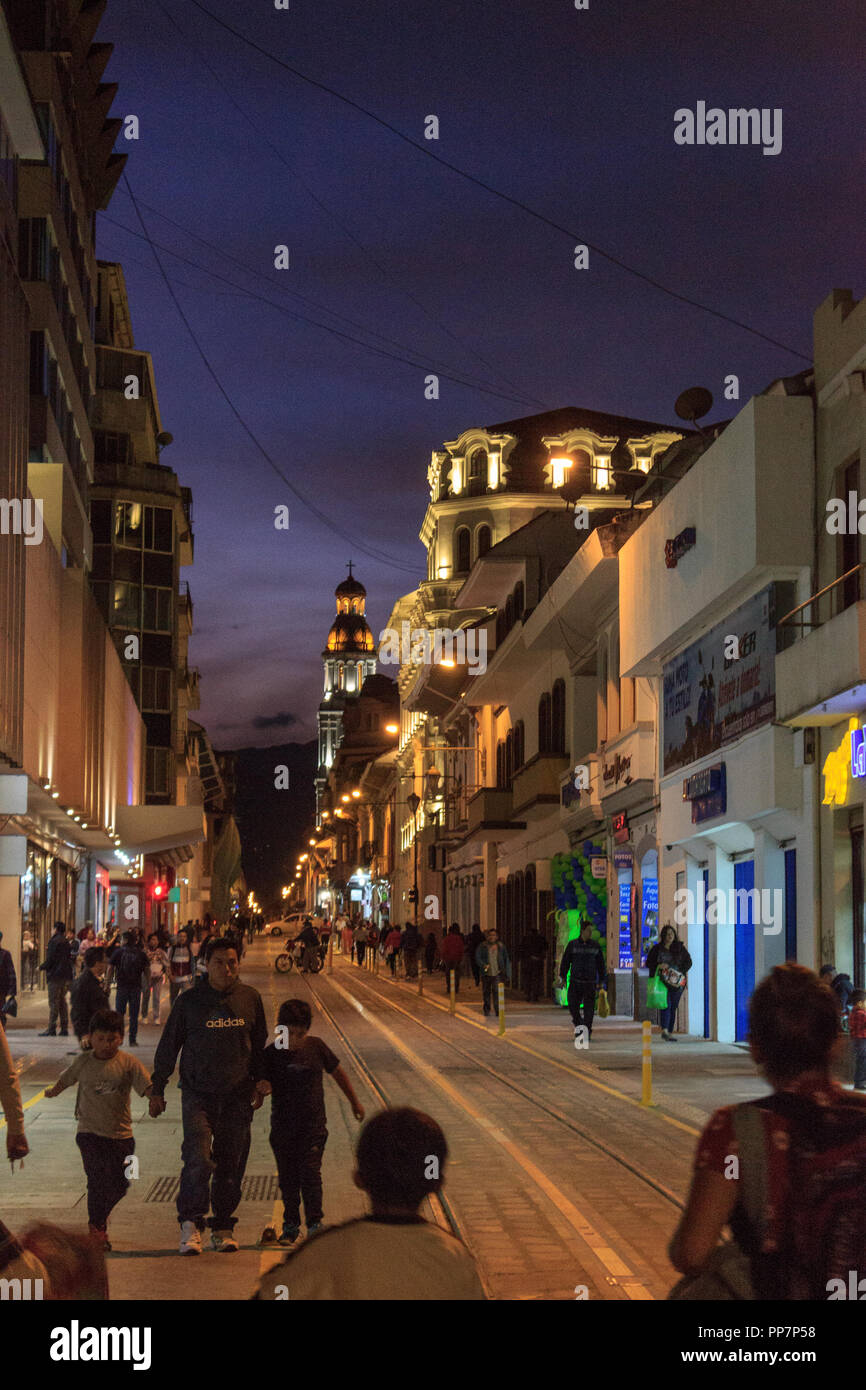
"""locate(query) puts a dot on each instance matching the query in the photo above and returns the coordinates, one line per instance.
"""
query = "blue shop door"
(790, 904)
(744, 948)
(705, 874)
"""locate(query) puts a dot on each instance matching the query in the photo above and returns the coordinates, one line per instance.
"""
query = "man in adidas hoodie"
(220, 1031)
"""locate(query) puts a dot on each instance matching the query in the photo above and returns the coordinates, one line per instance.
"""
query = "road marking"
(26, 1106)
(603, 1252)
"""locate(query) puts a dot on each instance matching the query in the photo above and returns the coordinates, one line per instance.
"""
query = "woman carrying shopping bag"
(668, 962)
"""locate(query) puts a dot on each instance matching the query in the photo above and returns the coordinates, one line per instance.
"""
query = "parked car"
(291, 925)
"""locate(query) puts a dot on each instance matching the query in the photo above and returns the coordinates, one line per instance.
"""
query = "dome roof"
(350, 632)
(349, 587)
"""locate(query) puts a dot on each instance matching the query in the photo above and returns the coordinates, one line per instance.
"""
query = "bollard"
(420, 977)
(452, 977)
(331, 954)
(501, 992)
(646, 1097)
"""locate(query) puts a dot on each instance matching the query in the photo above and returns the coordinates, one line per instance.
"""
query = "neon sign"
(850, 753)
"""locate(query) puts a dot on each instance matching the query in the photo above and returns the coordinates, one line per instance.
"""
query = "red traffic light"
(159, 890)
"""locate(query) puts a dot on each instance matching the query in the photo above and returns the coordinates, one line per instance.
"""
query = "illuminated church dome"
(349, 658)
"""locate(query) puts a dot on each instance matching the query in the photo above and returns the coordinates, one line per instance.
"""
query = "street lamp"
(413, 802)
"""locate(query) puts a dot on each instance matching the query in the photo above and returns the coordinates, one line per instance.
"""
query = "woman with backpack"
(670, 960)
(786, 1172)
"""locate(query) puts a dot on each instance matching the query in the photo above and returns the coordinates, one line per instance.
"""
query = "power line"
(422, 365)
(334, 526)
(496, 192)
(329, 212)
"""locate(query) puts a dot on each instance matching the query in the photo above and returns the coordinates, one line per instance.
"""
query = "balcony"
(536, 784)
(489, 815)
(184, 608)
(579, 803)
(629, 766)
(188, 683)
(820, 677)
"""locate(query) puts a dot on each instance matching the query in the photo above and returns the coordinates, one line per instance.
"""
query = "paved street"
(557, 1177)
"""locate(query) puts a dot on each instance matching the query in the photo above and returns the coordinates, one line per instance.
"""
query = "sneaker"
(223, 1241)
(48, 1034)
(268, 1236)
(312, 1230)
(289, 1235)
(133, 1042)
(190, 1238)
(64, 1032)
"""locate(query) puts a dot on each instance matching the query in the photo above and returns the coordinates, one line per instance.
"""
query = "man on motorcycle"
(310, 958)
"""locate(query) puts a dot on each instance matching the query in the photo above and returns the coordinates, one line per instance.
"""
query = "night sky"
(570, 112)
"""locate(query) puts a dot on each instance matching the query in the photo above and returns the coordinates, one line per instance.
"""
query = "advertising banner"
(712, 696)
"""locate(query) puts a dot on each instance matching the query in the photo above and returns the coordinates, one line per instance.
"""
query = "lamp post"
(413, 801)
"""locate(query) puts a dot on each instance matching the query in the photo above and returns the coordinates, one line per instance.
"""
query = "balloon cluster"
(575, 887)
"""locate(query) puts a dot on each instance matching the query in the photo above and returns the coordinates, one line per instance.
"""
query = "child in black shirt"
(294, 1064)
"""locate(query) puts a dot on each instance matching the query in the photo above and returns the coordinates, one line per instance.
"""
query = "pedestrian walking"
(495, 966)
(533, 949)
(393, 943)
(411, 948)
(219, 1031)
(181, 965)
(58, 974)
(670, 960)
(152, 980)
(28, 959)
(128, 963)
(360, 937)
(13, 1110)
(8, 985)
(582, 965)
(476, 939)
(857, 1030)
(797, 1209)
(105, 1076)
(393, 1254)
(89, 995)
(452, 951)
(294, 1066)
(431, 946)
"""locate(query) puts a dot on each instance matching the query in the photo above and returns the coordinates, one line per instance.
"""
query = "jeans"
(152, 991)
(131, 995)
(669, 1015)
(104, 1163)
(410, 962)
(490, 990)
(57, 1005)
(455, 971)
(859, 1062)
(392, 962)
(299, 1166)
(360, 948)
(216, 1145)
(581, 1002)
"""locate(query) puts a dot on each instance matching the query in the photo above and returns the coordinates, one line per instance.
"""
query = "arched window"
(544, 730)
(501, 629)
(462, 542)
(509, 613)
(500, 765)
(509, 758)
(477, 473)
(519, 601)
(581, 473)
(519, 746)
(485, 540)
(557, 720)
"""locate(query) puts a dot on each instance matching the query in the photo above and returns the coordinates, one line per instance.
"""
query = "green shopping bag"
(656, 993)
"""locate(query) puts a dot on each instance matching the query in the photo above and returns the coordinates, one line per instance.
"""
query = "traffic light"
(159, 890)
(413, 895)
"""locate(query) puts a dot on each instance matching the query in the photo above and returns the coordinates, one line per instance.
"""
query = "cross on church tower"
(350, 568)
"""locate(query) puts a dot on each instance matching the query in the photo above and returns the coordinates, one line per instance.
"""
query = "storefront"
(843, 774)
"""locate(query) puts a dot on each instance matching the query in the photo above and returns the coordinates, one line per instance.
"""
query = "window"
(158, 530)
(100, 521)
(519, 746)
(159, 772)
(509, 758)
(112, 447)
(484, 540)
(125, 605)
(557, 722)
(461, 546)
(477, 473)
(581, 474)
(157, 610)
(500, 765)
(519, 601)
(128, 524)
(156, 689)
(544, 723)
(509, 613)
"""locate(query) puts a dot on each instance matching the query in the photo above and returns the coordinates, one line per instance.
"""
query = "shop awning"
(154, 829)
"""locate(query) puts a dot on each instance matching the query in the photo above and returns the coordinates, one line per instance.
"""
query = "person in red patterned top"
(857, 1029)
(813, 1224)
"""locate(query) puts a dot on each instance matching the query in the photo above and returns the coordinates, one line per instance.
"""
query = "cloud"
(274, 721)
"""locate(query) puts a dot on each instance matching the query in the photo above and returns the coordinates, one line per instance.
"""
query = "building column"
(721, 935)
(488, 886)
(770, 916)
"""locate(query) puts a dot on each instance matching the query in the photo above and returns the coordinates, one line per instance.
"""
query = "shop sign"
(623, 859)
(613, 772)
(708, 792)
(598, 867)
(619, 825)
(626, 960)
(676, 549)
(858, 753)
(850, 753)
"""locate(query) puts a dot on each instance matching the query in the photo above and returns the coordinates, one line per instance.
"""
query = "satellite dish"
(694, 403)
(164, 439)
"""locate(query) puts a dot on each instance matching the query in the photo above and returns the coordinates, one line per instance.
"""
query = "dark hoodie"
(675, 954)
(221, 1038)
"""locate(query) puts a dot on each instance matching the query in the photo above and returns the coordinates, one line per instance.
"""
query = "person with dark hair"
(411, 944)
(393, 943)
(431, 946)
(360, 937)
(128, 963)
(105, 1076)
(59, 971)
(74, 1264)
(294, 1065)
(533, 949)
(88, 993)
(476, 939)
(393, 1254)
(219, 1030)
(151, 984)
(452, 952)
(670, 960)
(181, 965)
(8, 985)
(495, 965)
(795, 1198)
